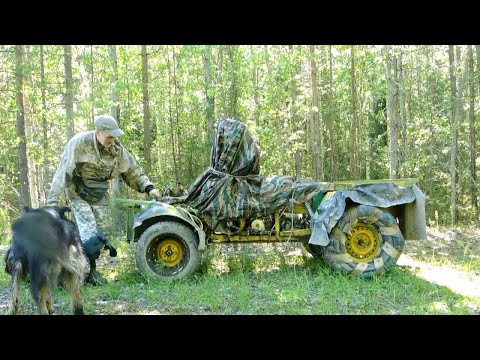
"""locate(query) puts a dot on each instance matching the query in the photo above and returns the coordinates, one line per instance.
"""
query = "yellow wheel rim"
(363, 243)
(169, 252)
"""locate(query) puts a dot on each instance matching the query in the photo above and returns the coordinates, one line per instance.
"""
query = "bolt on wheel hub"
(169, 252)
(363, 242)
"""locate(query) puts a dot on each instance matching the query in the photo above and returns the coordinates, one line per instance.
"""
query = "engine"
(264, 225)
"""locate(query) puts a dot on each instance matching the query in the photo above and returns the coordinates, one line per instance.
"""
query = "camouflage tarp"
(231, 187)
(380, 195)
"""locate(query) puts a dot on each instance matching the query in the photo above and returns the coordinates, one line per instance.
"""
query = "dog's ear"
(27, 208)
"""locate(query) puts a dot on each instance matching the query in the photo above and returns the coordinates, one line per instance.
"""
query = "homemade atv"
(358, 227)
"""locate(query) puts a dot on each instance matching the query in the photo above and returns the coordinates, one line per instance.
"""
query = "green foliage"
(254, 84)
(5, 222)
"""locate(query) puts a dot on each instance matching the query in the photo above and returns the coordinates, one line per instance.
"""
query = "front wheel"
(168, 251)
(365, 241)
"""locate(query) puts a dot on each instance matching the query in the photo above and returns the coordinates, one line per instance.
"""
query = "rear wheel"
(365, 241)
(168, 251)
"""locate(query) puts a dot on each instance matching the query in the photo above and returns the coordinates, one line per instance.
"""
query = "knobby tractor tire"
(167, 251)
(365, 241)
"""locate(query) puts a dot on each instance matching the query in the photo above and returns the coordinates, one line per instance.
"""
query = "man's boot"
(93, 277)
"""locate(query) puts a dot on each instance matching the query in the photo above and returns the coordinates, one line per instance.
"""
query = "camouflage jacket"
(84, 156)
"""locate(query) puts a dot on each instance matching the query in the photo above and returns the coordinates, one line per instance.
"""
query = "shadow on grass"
(269, 281)
(253, 280)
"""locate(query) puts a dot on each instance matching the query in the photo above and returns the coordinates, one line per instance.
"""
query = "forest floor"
(450, 258)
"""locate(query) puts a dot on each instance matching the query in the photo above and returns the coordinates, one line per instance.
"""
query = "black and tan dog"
(46, 247)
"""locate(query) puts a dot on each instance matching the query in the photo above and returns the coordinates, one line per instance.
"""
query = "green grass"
(271, 279)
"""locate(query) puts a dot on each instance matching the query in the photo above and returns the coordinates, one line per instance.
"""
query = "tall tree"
(316, 133)
(293, 110)
(30, 127)
(403, 112)
(147, 140)
(471, 123)
(277, 123)
(457, 100)
(115, 106)
(115, 112)
(209, 92)
(171, 81)
(353, 124)
(255, 71)
(177, 127)
(392, 111)
(232, 51)
(331, 117)
(22, 141)
(453, 146)
(222, 104)
(67, 53)
(45, 161)
(92, 85)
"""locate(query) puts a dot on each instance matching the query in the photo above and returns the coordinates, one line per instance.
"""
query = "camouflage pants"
(90, 217)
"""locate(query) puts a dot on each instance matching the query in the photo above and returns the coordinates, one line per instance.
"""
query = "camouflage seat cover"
(232, 187)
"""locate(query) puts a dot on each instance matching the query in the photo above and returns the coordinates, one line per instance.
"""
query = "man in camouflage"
(89, 161)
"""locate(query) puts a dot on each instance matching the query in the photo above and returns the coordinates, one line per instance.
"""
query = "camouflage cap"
(108, 124)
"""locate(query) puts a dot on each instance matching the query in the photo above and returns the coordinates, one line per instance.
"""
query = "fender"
(151, 212)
